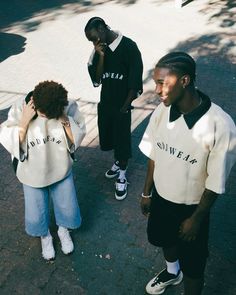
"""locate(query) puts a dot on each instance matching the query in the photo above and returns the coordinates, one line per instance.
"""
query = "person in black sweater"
(116, 64)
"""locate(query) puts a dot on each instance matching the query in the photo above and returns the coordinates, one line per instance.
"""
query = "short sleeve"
(222, 157)
(9, 132)
(135, 68)
(92, 68)
(77, 124)
(147, 143)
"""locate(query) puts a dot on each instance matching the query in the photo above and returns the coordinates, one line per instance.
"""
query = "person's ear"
(185, 80)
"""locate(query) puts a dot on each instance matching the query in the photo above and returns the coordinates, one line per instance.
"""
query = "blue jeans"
(65, 204)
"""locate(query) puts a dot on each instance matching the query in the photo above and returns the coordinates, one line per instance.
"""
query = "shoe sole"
(111, 176)
(120, 198)
(67, 253)
(160, 292)
(49, 259)
(164, 287)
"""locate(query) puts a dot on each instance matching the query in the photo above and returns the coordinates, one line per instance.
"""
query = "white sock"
(173, 267)
(122, 174)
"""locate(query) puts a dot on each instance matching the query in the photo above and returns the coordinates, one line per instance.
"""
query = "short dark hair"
(179, 62)
(50, 98)
(94, 23)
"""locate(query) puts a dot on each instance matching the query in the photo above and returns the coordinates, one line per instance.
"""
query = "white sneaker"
(114, 171)
(121, 189)
(67, 245)
(48, 251)
(164, 279)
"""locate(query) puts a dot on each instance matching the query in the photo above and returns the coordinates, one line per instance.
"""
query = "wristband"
(146, 196)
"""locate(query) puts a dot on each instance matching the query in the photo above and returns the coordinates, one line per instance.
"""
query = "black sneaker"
(164, 279)
(114, 171)
(121, 189)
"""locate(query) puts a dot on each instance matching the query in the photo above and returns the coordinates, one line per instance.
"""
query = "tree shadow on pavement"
(33, 13)
(216, 67)
(112, 255)
(11, 44)
(221, 11)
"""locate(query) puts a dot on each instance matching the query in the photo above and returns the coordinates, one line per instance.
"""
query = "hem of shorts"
(106, 149)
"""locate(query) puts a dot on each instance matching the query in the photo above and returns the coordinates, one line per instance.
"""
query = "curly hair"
(50, 98)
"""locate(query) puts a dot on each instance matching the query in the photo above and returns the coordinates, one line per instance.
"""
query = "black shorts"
(115, 131)
(163, 231)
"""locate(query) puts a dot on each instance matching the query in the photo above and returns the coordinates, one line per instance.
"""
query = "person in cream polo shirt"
(191, 146)
(41, 135)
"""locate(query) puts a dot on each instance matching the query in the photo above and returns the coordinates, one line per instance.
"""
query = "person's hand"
(145, 206)
(188, 229)
(28, 113)
(124, 110)
(100, 47)
(64, 120)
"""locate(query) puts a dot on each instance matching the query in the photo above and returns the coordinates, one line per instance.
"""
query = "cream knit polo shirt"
(44, 157)
(191, 152)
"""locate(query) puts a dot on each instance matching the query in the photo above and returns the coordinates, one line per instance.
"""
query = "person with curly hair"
(41, 135)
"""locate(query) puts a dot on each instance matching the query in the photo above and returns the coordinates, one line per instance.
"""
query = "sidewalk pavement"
(112, 255)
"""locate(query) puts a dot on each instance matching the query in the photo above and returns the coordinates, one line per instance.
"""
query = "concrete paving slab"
(45, 40)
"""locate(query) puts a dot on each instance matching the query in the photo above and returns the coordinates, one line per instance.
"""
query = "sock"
(122, 175)
(173, 267)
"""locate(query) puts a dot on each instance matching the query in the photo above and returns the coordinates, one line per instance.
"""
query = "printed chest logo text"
(37, 141)
(172, 151)
(116, 76)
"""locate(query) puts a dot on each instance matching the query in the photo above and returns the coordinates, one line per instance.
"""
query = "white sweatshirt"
(44, 157)
(188, 160)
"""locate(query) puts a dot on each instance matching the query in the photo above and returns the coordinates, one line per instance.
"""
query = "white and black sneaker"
(114, 171)
(121, 189)
(164, 279)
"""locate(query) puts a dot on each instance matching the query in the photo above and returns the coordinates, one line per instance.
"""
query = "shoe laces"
(163, 277)
(114, 167)
(157, 281)
(121, 184)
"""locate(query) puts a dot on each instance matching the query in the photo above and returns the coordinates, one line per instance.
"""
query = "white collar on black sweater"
(116, 42)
